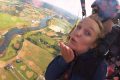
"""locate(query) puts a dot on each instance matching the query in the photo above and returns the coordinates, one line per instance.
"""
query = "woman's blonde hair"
(96, 18)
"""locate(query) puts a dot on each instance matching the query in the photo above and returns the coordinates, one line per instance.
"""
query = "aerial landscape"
(29, 36)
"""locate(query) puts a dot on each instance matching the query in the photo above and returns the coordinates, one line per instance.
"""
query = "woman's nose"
(78, 33)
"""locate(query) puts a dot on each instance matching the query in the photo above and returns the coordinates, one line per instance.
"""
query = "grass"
(17, 73)
(7, 21)
(35, 37)
(63, 24)
(42, 54)
(23, 72)
(28, 34)
(39, 56)
(11, 52)
(6, 74)
(1, 39)
(46, 38)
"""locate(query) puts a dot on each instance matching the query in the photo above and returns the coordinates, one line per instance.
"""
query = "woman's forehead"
(89, 23)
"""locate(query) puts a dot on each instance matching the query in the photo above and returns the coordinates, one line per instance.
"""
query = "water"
(9, 35)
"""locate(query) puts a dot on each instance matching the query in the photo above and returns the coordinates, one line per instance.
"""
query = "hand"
(67, 52)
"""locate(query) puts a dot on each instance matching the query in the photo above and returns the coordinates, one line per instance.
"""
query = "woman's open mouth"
(73, 40)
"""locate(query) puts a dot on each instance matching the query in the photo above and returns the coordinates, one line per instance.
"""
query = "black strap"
(83, 8)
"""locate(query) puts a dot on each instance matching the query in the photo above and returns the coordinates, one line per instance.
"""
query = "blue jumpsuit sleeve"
(56, 68)
(101, 71)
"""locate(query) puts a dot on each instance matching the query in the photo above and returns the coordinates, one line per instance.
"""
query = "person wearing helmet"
(109, 12)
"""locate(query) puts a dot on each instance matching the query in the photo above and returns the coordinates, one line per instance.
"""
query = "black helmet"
(106, 9)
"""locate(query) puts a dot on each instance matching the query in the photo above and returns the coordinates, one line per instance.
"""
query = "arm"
(59, 65)
(56, 68)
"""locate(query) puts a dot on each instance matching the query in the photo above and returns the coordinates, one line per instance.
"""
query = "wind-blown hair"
(96, 18)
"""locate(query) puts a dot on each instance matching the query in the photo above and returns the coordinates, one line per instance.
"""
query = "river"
(15, 31)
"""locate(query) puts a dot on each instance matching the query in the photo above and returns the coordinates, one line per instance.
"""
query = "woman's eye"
(87, 33)
(78, 27)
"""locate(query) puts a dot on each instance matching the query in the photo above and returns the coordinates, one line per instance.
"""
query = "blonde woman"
(78, 60)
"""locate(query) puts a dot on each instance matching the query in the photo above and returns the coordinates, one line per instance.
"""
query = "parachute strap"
(83, 8)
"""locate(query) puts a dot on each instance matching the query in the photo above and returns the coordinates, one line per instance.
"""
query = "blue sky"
(72, 6)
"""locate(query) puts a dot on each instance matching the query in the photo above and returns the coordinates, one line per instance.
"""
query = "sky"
(72, 6)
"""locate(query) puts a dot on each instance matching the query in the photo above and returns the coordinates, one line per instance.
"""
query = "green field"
(10, 51)
(5, 75)
(23, 70)
(41, 55)
(18, 71)
(7, 21)
(41, 58)
(63, 24)
(36, 49)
